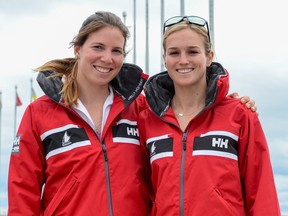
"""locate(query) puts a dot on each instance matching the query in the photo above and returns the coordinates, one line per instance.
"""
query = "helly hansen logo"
(160, 147)
(16, 145)
(126, 131)
(132, 131)
(220, 143)
(216, 143)
(64, 139)
(152, 150)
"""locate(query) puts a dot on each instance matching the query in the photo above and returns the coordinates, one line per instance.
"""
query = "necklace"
(180, 114)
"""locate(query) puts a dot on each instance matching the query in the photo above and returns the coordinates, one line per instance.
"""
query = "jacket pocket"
(211, 202)
(217, 198)
(60, 195)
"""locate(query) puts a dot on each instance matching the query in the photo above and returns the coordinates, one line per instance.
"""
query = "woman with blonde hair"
(208, 152)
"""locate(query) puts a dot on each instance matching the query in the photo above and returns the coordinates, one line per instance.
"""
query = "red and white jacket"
(220, 165)
(58, 165)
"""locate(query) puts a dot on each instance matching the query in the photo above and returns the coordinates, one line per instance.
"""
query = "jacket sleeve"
(146, 160)
(256, 172)
(26, 169)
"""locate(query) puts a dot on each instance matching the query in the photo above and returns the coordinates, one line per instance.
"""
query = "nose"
(106, 57)
(183, 59)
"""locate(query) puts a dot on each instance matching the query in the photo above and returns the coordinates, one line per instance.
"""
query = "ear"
(76, 50)
(163, 56)
(210, 58)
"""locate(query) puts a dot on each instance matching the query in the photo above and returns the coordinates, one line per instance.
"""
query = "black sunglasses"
(195, 20)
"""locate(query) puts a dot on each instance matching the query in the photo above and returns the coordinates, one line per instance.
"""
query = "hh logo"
(16, 145)
(220, 143)
(132, 131)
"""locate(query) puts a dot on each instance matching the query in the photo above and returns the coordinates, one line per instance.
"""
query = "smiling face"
(185, 57)
(100, 57)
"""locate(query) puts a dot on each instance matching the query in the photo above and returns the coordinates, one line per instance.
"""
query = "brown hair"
(184, 25)
(68, 66)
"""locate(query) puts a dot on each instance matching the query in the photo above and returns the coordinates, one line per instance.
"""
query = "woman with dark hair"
(77, 149)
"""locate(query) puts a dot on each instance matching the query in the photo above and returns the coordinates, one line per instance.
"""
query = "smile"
(185, 70)
(102, 70)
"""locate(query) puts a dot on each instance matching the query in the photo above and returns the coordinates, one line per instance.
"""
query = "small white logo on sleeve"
(16, 145)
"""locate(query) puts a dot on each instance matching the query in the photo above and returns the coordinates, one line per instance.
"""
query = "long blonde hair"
(68, 66)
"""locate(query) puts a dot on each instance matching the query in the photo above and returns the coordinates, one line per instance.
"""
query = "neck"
(181, 111)
(188, 104)
(95, 96)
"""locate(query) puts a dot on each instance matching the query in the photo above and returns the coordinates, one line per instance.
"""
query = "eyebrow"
(97, 43)
(190, 47)
(101, 44)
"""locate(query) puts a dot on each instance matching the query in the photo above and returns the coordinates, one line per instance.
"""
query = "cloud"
(279, 152)
(282, 188)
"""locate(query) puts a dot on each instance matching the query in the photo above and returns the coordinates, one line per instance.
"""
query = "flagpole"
(182, 5)
(134, 30)
(162, 25)
(211, 21)
(15, 112)
(147, 38)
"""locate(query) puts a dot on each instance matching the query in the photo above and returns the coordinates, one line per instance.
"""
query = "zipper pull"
(184, 140)
(105, 152)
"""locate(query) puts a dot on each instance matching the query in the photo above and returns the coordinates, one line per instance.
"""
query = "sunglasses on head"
(195, 20)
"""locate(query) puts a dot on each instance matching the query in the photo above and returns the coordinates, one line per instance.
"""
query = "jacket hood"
(128, 84)
(159, 89)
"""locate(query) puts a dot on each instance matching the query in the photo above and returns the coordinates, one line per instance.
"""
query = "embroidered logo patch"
(216, 143)
(16, 145)
(160, 147)
(66, 139)
(63, 139)
(126, 131)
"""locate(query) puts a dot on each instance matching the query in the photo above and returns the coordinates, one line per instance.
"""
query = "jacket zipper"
(184, 139)
(107, 174)
(104, 150)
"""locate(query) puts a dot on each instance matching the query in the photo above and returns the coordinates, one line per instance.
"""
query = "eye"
(98, 47)
(193, 52)
(118, 51)
(173, 53)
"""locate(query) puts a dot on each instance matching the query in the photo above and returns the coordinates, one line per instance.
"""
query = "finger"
(234, 95)
(250, 104)
(245, 99)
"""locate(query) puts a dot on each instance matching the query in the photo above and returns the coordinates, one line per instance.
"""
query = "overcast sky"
(250, 42)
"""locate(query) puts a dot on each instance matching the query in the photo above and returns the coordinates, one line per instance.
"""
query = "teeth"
(102, 70)
(185, 70)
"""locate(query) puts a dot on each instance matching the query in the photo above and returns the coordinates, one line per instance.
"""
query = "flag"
(18, 101)
(33, 94)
